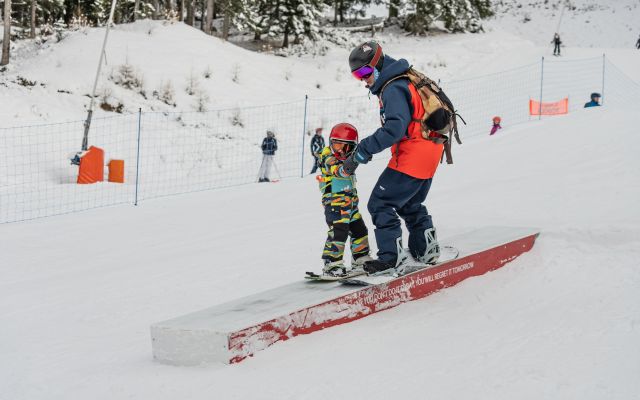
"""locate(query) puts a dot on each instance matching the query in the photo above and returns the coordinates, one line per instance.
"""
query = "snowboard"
(447, 253)
(329, 278)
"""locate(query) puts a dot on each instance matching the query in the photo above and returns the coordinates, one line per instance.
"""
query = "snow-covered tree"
(346, 7)
(297, 18)
(207, 26)
(459, 16)
(483, 7)
(126, 10)
(6, 38)
(421, 14)
(32, 20)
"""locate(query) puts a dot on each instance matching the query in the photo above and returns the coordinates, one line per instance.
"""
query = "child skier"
(496, 125)
(340, 201)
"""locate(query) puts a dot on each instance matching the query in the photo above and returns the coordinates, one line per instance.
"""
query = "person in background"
(269, 147)
(496, 125)
(595, 101)
(638, 43)
(317, 144)
(556, 44)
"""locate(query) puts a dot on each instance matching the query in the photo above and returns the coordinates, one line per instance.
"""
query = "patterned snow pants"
(344, 220)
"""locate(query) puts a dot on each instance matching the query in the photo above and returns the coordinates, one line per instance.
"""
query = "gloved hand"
(360, 157)
(350, 164)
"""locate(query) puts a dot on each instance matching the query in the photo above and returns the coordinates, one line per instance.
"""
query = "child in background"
(496, 125)
(340, 201)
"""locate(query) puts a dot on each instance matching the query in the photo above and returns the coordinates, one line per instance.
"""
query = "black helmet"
(368, 53)
(594, 95)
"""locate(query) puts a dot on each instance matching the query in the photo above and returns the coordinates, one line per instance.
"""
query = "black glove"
(350, 164)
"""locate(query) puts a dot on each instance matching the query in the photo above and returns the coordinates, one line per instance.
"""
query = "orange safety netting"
(559, 107)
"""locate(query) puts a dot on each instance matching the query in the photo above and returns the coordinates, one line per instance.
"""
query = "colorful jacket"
(317, 144)
(400, 109)
(335, 185)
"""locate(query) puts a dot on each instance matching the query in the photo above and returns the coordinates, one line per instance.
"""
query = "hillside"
(580, 23)
(50, 81)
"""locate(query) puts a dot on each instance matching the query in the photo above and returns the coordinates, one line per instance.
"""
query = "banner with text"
(556, 108)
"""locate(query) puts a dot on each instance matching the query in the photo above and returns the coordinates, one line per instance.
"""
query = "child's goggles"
(342, 150)
(363, 72)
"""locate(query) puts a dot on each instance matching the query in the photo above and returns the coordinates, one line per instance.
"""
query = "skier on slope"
(403, 186)
(595, 101)
(269, 147)
(496, 125)
(340, 201)
(317, 144)
(638, 43)
(556, 44)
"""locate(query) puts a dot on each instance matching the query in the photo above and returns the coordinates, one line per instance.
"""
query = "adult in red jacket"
(403, 186)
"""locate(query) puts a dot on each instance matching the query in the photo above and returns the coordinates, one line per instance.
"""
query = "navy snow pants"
(398, 194)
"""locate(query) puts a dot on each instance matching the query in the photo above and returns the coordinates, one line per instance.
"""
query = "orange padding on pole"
(559, 107)
(92, 166)
(116, 171)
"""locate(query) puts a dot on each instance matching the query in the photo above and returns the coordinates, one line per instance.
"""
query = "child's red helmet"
(343, 140)
(497, 119)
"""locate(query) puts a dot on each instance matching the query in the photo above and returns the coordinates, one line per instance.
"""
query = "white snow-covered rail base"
(233, 331)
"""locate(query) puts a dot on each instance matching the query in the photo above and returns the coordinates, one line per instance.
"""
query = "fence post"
(304, 128)
(138, 154)
(603, 62)
(541, 85)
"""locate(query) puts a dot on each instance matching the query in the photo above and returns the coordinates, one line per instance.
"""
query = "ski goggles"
(363, 72)
(342, 150)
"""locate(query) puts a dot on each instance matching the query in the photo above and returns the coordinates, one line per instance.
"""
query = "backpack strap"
(395, 78)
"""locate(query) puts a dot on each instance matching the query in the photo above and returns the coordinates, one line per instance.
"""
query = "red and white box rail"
(233, 331)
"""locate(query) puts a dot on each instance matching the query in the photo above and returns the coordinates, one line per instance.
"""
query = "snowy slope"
(160, 53)
(79, 291)
(580, 23)
(563, 321)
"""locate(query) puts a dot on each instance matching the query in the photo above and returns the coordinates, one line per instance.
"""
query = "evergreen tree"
(460, 16)
(32, 20)
(297, 18)
(394, 8)
(6, 37)
(345, 7)
(97, 11)
(457, 15)
(235, 12)
(421, 14)
(483, 7)
(209, 19)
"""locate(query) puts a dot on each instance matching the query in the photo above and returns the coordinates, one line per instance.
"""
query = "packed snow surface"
(79, 292)
(563, 321)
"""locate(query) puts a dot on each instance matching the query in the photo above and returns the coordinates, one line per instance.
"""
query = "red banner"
(559, 107)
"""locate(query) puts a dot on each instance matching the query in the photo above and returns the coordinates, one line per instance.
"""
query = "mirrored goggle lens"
(342, 148)
(363, 72)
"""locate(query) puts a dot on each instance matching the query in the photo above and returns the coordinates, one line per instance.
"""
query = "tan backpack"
(439, 122)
